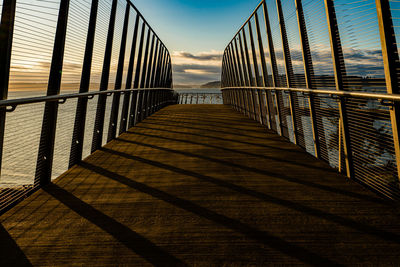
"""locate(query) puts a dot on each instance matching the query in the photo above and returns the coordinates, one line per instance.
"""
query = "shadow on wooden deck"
(201, 185)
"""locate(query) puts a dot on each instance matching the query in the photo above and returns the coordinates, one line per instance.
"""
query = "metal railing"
(75, 125)
(299, 74)
(200, 98)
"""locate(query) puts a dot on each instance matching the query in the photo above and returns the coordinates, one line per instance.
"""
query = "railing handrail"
(54, 98)
(367, 95)
(247, 20)
(258, 68)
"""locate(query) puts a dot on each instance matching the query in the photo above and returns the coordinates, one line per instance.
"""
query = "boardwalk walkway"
(201, 185)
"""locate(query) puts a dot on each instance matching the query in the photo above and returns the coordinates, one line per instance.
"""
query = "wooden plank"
(201, 185)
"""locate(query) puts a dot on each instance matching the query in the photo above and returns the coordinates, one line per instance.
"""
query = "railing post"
(6, 40)
(162, 66)
(244, 66)
(150, 65)
(391, 63)
(339, 69)
(129, 78)
(101, 104)
(250, 73)
(153, 72)
(167, 71)
(163, 69)
(230, 68)
(159, 63)
(141, 104)
(242, 82)
(134, 101)
(246, 53)
(112, 129)
(234, 66)
(309, 74)
(48, 134)
(264, 73)
(288, 69)
(81, 109)
(274, 66)
(256, 74)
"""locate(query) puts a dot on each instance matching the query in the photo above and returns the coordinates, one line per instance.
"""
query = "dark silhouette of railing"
(145, 75)
(278, 71)
(200, 98)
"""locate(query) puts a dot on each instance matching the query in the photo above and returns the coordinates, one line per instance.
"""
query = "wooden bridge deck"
(201, 185)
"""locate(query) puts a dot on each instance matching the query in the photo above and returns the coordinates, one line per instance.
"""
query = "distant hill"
(183, 86)
(216, 84)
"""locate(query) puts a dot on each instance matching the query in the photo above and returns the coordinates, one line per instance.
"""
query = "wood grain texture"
(201, 185)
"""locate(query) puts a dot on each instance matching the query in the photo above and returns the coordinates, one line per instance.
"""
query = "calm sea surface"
(22, 134)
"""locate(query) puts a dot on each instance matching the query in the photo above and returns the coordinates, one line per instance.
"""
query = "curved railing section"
(324, 74)
(96, 68)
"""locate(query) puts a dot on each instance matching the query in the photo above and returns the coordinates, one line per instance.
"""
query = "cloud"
(195, 69)
(195, 74)
(202, 56)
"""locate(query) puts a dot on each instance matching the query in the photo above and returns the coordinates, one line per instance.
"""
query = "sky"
(196, 33)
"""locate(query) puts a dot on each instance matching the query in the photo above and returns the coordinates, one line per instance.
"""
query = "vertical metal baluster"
(237, 63)
(231, 71)
(105, 76)
(148, 77)
(48, 134)
(166, 66)
(154, 70)
(247, 95)
(246, 53)
(251, 103)
(232, 67)
(112, 129)
(158, 73)
(250, 73)
(264, 72)
(142, 92)
(253, 52)
(81, 109)
(246, 74)
(134, 101)
(238, 81)
(309, 75)
(166, 71)
(229, 68)
(150, 65)
(256, 73)
(145, 60)
(340, 73)
(289, 71)
(223, 72)
(129, 79)
(274, 68)
(162, 68)
(6, 40)
(391, 63)
(244, 64)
